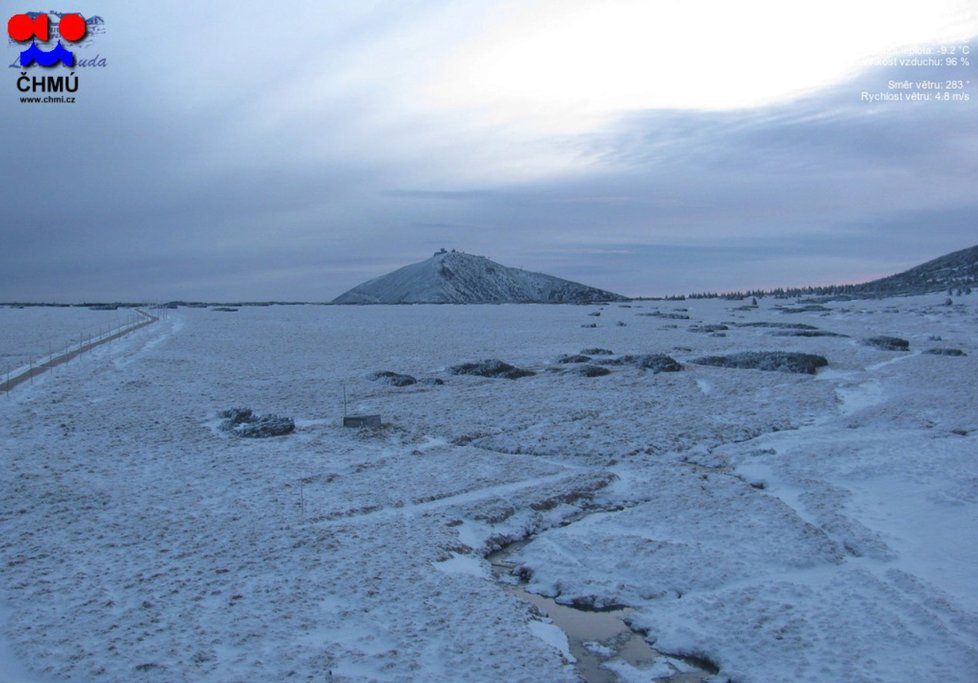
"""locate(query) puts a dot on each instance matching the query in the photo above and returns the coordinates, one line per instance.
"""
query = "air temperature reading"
(926, 74)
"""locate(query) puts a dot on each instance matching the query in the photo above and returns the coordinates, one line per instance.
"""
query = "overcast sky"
(252, 151)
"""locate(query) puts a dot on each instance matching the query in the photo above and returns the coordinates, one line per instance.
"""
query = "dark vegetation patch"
(781, 326)
(656, 362)
(668, 316)
(573, 497)
(707, 328)
(225, 309)
(946, 352)
(237, 416)
(392, 378)
(594, 603)
(805, 333)
(492, 367)
(775, 361)
(597, 352)
(589, 325)
(589, 371)
(577, 358)
(885, 343)
(243, 422)
(810, 308)
(466, 439)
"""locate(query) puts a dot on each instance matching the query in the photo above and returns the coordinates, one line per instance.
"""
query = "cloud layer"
(233, 152)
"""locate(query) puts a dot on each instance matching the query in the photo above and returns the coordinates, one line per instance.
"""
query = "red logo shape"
(72, 27)
(22, 28)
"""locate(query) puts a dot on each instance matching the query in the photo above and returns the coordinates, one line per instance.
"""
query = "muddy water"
(597, 637)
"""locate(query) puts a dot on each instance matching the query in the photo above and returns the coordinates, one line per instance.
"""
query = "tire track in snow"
(458, 498)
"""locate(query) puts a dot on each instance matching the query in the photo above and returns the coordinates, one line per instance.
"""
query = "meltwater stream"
(598, 638)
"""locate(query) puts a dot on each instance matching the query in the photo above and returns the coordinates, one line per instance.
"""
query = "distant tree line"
(895, 286)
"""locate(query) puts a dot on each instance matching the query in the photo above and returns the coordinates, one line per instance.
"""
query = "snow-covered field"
(783, 527)
(36, 331)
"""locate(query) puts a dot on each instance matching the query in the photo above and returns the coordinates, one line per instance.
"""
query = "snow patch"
(857, 397)
(553, 637)
(464, 564)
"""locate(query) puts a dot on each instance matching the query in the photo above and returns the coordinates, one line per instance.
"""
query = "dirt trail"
(12, 382)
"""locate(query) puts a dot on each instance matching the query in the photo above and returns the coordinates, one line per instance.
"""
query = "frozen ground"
(783, 527)
(35, 331)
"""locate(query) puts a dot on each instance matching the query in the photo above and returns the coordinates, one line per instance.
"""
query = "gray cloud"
(175, 177)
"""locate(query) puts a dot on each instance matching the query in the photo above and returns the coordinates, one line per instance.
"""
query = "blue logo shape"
(57, 54)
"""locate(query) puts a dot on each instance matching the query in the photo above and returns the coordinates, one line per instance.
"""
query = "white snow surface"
(36, 331)
(553, 637)
(784, 527)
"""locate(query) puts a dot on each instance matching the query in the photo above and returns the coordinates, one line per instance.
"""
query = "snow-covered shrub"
(887, 343)
(243, 422)
(778, 361)
(946, 352)
(265, 426)
(492, 367)
(589, 371)
(805, 333)
(656, 362)
(393, 378)
(236, 416)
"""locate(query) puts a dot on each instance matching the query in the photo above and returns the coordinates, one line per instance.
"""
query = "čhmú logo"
(23, 27)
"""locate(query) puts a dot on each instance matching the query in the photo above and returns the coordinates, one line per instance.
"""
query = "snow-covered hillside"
(953, 271)
(452, 277)
(775, 526)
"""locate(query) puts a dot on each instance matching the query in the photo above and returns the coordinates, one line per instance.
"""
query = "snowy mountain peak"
(454, 277)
